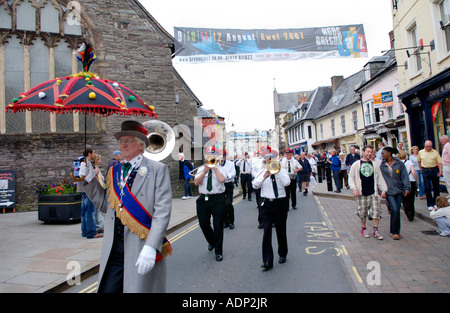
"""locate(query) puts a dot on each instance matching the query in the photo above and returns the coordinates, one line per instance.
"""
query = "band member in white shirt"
(230, 173)
(245, 168)
(274, 209)
(257, 164)
(210, 182)
(292, 166)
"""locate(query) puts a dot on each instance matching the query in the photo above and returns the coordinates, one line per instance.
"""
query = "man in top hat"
(274, 207)
(138, 204)
(292, 166)
(210, 181)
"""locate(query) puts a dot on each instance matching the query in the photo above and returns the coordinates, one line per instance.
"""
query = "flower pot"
(59, 208)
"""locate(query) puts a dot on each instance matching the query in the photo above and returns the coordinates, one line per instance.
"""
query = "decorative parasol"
(82, 92)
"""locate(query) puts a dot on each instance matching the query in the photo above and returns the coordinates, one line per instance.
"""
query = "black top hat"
(133, 128)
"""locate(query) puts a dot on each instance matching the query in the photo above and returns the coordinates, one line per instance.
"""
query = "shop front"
(428, 109)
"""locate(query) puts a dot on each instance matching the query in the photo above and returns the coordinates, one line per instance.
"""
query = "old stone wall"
(131, 50)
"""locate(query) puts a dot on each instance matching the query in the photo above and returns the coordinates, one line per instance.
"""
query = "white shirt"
(266, 185)
(217, 187)
(294, 166)
(248, 166)
(228, 171)
(87, 170)
(257, 164)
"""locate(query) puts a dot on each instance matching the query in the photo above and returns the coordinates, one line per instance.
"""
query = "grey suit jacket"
(155, 194)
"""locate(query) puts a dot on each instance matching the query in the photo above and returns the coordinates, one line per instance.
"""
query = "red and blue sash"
(130, 211)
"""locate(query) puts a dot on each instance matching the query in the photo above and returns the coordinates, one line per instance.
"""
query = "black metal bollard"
(329, 180)
(320, 170)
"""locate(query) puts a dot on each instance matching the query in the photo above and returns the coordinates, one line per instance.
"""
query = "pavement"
(37, 257)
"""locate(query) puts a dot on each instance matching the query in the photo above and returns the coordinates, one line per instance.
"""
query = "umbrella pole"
(85, 117)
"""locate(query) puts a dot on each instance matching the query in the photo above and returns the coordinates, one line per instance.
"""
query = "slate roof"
(344, 94)
(289, 100)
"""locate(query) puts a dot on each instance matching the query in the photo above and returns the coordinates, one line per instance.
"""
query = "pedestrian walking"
(245, 168)
(184, 168)
(367, 182)
(397, 179)
(430, 164)
(229, 173)
(211, 203)
(292, 167)
(138, 203)
(335, 169)
(305, 173)
(99, 219)
(274, 210)
(441, 214)
(408, 201)
(413, 158)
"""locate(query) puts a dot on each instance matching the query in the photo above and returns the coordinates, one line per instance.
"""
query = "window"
(368, 113)
(333, 131)
(343, 124)
(444, 9)
(35, 51)
(355, 120)
(309, 132)
(303, 131)
(321, 130)
(414, 61)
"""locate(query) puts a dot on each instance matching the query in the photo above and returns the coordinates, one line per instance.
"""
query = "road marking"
(90, 288)
(357, 275)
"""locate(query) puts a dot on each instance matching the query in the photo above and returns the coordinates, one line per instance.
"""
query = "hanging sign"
(203, 45)
(384, 99)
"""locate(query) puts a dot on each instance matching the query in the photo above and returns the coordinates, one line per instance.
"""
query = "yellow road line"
(357, 275)
(93, 287)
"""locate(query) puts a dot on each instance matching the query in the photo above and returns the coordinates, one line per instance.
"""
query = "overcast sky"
(243, 92)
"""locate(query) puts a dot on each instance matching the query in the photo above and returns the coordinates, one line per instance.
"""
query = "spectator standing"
(184, 167)
(343, 173)
(305, 173)
(335, 169)
(446, 160)
(117, 156)
(352, 157)
(397, 179)
(430, 164)
(381, 145)
(413, 158)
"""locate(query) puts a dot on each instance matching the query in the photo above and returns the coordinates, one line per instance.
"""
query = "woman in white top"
(413, 158)
(408, 201)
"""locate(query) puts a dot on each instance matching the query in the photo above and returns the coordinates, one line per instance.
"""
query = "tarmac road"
(315, 262)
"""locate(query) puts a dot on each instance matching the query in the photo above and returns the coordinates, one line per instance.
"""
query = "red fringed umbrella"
(82, 92)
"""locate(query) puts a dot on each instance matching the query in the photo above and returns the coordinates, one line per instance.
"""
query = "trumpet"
(273, 167)
(210, 161)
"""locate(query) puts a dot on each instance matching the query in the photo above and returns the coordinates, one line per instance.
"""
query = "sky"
(242, 92)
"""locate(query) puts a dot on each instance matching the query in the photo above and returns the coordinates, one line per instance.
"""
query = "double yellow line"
(93, 287)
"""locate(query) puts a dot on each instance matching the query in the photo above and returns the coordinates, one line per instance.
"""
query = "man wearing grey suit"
(138, 203)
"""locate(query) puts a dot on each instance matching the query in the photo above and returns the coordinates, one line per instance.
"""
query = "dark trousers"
(274, 212)
(291, 192)
(214, 207)
(228, 217)
(336, 180)
(246, 183)
(430, 179)
(408, 201)
(112, 280)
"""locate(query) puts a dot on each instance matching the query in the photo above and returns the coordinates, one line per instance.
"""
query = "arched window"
(38, 39)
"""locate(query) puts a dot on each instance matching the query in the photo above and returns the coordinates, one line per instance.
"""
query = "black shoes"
(219, 257)
(282, 260)
(266, 266)
(210, 247)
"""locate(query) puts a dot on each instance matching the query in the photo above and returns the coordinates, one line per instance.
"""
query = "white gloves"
(146, 260)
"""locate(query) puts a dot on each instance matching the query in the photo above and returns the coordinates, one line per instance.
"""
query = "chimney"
(335, 82)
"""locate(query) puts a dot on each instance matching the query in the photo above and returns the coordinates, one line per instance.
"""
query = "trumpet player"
(210, 181)
(230, 173)
(292, 166)
(274, 209)
(245, 168)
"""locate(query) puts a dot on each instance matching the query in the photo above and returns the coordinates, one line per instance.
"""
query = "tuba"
(273, 167)
(162, 140)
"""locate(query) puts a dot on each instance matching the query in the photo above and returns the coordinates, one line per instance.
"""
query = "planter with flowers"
(59, 203)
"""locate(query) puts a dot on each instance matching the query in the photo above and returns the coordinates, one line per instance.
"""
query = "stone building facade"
(131, 48)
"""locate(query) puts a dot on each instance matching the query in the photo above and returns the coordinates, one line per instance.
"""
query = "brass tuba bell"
(273, 167)
(162, 140)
